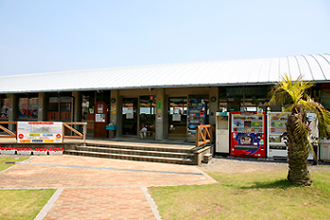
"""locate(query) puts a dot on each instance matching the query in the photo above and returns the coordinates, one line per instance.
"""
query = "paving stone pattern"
(99, 192)
(111, 203)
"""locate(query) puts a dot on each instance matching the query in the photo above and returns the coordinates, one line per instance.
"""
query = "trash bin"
(325, 149)
(112, 130)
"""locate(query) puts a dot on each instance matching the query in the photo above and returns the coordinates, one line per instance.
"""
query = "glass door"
(177, 117)
(147, 116)
(129, 116)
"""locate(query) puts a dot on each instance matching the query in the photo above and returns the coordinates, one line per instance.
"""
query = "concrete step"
(133, 151)
(131, 157)
(156, 147)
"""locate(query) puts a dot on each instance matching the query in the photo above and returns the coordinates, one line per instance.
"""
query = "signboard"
(176, 117)
(99, 117)
(39, 132)
(159, 118)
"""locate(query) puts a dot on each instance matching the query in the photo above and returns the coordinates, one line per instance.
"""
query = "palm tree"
(294, 94)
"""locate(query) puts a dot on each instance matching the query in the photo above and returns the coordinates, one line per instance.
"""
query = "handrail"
(205, 133)
(11, 134)
(79, 134)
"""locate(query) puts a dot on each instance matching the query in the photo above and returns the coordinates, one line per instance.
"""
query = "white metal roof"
(214, 73)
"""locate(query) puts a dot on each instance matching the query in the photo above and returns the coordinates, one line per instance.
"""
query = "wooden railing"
(78, 134)
(204, 135)
(9, 132)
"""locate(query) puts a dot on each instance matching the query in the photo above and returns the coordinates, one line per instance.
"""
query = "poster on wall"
(99, 117)
(113, 109)
(100, 108)
(39, 132)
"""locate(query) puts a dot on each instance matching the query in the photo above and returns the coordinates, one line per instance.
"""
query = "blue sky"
(46, 36)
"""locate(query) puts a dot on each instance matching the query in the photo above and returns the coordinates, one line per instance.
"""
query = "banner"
(39, 132)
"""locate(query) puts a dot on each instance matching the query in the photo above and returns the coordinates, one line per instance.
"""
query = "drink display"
(247, 134)
(196, 116)
(276, 147)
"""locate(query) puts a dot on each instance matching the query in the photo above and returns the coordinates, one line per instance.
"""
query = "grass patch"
(4, 159)
(246, 196)
(23, 204)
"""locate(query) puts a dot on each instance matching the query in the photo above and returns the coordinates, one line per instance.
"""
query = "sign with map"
(39, 132)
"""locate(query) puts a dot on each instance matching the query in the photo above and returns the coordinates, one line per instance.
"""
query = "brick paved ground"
(108, 203)
(101, 192)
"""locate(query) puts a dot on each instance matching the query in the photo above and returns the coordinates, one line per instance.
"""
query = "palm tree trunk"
(298, 149)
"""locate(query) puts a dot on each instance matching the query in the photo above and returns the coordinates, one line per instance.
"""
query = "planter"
(55, 152)
(37, 153)
(8, 152)
(24, 152)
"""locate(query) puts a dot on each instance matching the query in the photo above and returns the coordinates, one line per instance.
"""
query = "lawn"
(246, 196)
(4, 159)
(21, 203)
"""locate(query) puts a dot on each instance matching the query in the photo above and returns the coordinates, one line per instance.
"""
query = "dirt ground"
(247, 166)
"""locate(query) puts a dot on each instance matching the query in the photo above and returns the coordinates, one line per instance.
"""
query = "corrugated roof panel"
(294, 67)
(230, 72)
(244, 71)
(264, 70)
(273, 75)
(304, 68)
(202, 73)
(235, 71)
(324, 64)
(221, 72)
(254, 71)
(317, 72)
(212, 69)
(284, 66)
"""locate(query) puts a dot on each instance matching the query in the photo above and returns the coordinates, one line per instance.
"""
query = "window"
(28, 108)
(4, 108)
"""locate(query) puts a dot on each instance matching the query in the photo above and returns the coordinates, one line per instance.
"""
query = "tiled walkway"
(96, 188)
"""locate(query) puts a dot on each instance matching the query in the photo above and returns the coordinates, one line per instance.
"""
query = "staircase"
(159, 153)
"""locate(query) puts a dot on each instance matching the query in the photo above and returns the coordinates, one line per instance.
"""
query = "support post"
(13, 111)
(159, 120)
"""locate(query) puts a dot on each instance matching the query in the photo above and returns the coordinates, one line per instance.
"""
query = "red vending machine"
(247, 134)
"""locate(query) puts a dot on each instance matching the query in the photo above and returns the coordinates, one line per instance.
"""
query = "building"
(169, 100)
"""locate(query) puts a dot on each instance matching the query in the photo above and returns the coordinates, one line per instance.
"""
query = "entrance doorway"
(147, 114)
(177, 117)
(129, 116)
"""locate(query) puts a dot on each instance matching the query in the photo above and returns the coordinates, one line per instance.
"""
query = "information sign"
(39, 132)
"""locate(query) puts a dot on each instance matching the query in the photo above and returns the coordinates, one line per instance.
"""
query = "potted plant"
(55, 151)
(39, 151)
(8, 150)
(24, 151)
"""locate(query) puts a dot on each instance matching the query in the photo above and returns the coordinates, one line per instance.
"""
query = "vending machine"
(222, 133)
(247, 134)
(276, 147)
(314, 132)
(325, 149)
